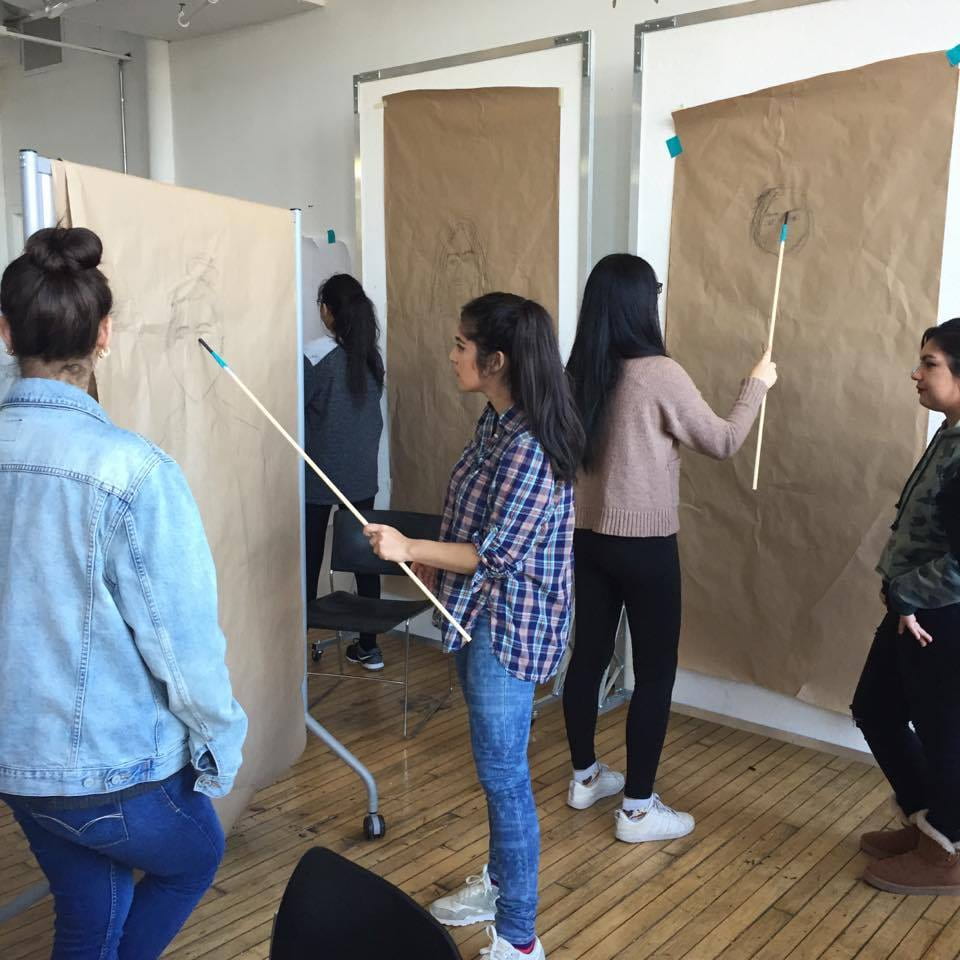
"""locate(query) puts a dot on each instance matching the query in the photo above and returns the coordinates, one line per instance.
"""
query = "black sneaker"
(368, 659)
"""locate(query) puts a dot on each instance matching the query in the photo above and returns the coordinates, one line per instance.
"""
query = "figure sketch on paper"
(195, 312)
(768, 216)
(460, 269)
(197, 407)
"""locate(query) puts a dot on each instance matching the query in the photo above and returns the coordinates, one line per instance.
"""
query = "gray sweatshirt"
(342, 432)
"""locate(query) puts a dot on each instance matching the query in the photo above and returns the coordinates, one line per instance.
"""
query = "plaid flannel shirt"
(504, 499)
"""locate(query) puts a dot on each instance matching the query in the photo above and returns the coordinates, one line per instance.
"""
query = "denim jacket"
(112, 668)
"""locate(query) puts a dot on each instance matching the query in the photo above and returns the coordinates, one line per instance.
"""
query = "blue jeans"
(171, 833)
(500, 708)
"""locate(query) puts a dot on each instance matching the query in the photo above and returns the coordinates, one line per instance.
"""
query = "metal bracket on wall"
(362, 78)
(721, 13)
(565, 39)
(477, 56)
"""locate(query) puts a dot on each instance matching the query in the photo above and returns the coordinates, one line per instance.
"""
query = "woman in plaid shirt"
(503, 568)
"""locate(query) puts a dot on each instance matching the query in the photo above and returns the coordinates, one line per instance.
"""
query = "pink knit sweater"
(633, 489)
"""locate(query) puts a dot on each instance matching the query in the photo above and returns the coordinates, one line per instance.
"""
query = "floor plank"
(772, 871)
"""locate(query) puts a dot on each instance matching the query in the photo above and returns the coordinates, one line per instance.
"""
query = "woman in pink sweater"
(638, 406)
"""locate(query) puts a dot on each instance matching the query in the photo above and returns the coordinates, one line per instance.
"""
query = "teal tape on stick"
(675, 146)
(331, 236)
(213, 353)
(954, 56)
(783, 234)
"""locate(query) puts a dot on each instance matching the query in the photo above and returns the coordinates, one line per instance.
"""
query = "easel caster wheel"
(374, 826)
(316, 653)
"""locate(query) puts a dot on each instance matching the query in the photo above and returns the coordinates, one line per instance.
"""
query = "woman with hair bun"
(119, 723)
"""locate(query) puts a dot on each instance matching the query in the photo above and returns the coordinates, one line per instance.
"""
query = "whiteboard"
(565, 66)
(321, 259)
(690, 65)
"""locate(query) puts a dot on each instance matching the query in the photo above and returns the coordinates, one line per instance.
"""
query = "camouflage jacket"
(920, 564)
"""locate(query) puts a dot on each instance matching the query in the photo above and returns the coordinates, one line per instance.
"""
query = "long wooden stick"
(424, 589)
(773, 330)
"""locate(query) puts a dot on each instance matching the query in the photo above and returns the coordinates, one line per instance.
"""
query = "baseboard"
(822, 746)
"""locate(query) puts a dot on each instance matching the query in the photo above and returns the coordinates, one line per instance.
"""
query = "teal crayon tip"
(213, 353)
(784, 229)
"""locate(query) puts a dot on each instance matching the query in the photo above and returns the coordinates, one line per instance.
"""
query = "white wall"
(266, 114)
(72, 110)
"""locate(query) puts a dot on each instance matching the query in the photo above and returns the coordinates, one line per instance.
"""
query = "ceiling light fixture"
(185, 16)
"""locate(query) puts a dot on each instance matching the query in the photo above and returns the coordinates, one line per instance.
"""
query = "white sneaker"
(475, 902)
(500, 949)
(607, 783)
(658, 822)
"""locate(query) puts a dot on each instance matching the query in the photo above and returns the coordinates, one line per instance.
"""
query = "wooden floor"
(771, 871)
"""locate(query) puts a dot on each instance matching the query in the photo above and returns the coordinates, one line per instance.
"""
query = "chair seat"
(334, 909)
(347, 611)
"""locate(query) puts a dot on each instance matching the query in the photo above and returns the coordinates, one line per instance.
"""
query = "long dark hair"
(54, 297)
(947, 338)
(618, 320)
(355, 329)
(523, 332)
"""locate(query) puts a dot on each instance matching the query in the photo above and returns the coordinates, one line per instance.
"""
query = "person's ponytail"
(355, 329)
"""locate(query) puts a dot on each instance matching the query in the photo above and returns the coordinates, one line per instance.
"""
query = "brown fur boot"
(881, 844)
(933, 869)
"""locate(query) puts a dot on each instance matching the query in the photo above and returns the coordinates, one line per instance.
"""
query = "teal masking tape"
(675, 146)
(954, 56)
(783, 234)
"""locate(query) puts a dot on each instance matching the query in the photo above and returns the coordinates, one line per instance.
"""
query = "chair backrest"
(351, 551)
(336, 910)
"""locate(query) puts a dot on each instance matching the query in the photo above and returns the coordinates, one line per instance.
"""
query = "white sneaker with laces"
(475, 902)
(500, 949)
(606, 783)
(657, 822)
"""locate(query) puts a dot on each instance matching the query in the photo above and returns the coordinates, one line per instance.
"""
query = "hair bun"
(59, 249)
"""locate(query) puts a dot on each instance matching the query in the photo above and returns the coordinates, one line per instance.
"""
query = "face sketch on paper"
(194, 313)
(768, 215)
(460, 269)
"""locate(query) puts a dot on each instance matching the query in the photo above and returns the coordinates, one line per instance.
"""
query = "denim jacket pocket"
(95, 828)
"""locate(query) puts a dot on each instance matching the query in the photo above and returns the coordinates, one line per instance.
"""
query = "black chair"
(335, 910)
(341, 611)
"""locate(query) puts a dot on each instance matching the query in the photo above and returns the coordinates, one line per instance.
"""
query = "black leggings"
(643, 574)
(903, 684)
(368, 585)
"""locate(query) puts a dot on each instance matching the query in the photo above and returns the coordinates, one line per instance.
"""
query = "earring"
(9, 352)
(103, 353)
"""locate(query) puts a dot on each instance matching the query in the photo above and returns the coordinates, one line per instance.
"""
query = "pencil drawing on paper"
(771, 207)
(460, 269)
(194, 313)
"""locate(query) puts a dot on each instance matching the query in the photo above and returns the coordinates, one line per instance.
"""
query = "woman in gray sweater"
(342, 386)
(638, 407)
